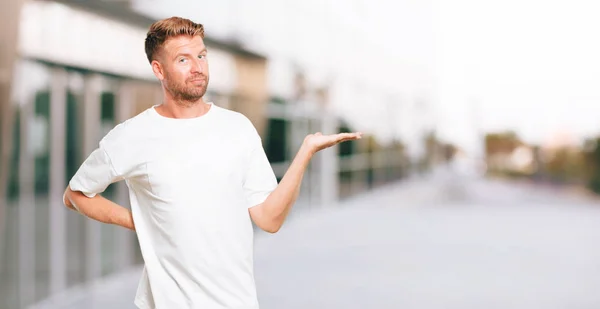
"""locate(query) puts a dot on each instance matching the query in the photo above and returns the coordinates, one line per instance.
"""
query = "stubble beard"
(185, 95)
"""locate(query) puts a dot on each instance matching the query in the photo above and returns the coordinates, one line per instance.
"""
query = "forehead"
(183, 43)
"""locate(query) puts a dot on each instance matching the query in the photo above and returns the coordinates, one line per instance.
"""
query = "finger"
(347, 139)
(344, 135)
(348, 136)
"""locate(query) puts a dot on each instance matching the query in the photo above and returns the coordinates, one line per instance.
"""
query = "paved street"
(491, 246)
(441, 243)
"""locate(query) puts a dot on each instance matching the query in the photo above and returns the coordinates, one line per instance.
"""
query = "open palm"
(318, 141)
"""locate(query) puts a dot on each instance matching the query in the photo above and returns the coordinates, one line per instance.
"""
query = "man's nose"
(196, 66)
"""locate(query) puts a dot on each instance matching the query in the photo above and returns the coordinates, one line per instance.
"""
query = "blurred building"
(69, 72)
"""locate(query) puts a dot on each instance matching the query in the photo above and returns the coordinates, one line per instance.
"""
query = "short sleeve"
(259, 180)
(95, 174)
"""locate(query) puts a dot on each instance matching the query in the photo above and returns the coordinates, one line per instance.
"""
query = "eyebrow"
(188, 54)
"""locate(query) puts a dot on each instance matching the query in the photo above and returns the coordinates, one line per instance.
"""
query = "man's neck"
(174, 109)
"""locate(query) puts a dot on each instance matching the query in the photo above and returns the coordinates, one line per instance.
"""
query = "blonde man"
(197, 176)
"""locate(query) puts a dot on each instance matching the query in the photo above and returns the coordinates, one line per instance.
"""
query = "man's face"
(184, 67)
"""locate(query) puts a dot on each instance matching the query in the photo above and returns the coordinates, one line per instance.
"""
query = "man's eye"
(201, 56)
(182, 60)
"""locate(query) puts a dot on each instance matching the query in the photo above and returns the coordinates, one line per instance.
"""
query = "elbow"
(271, 228)
(67, 198)
(266, 220)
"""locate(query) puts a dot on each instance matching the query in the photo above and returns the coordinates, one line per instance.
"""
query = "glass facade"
(60, 115)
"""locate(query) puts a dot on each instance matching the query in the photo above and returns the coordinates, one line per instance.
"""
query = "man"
(197, 175)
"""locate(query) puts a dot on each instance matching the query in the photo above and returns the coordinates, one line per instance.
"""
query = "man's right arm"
(99, 208)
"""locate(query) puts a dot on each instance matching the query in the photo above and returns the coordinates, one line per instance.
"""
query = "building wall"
(9, 14)
(8, 52)
(252, 90)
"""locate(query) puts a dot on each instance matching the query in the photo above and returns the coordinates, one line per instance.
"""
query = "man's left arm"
(271, 214)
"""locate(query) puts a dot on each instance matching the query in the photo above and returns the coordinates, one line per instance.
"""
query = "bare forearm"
(99, 208)
(280, 201)
(271, 214)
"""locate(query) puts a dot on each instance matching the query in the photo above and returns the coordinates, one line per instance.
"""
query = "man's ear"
(158, 70)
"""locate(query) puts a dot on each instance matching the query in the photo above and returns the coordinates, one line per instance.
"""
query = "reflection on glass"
(276, 146)
(75, 242)
(42, 205)
(107, 122)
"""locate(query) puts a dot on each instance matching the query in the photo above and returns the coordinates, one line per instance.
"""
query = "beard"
(184, 93)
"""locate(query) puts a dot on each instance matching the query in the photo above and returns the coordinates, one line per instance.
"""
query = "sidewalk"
(415, 244)
(118, 291)
(112, 292)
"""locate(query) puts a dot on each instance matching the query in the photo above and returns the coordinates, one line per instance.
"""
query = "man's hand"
(271, 214)
(317, 142)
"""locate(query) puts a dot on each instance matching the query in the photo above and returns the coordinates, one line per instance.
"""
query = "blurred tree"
(592, 160)
(449, 152)
(431, 150)
(498, 150)
(399, 161)
(566, 164)
(437, 151)
(501, 143)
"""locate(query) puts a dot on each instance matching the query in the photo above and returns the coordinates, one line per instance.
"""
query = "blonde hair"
(162, 30)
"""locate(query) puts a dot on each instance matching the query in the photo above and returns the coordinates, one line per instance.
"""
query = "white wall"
(58, 33)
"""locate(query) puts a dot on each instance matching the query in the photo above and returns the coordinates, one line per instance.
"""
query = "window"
(346, 148)
(276, 147)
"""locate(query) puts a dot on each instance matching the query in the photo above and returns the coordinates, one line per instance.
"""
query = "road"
(444, 242)
(471, 244)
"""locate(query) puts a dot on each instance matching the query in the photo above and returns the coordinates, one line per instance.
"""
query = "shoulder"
(239, 125)
(230, 114)
(127, 131)
(235, 119)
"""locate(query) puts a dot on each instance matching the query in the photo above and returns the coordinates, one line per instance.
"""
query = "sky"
(530, 66)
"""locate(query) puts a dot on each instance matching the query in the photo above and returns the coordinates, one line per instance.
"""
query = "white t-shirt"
(191, 182)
